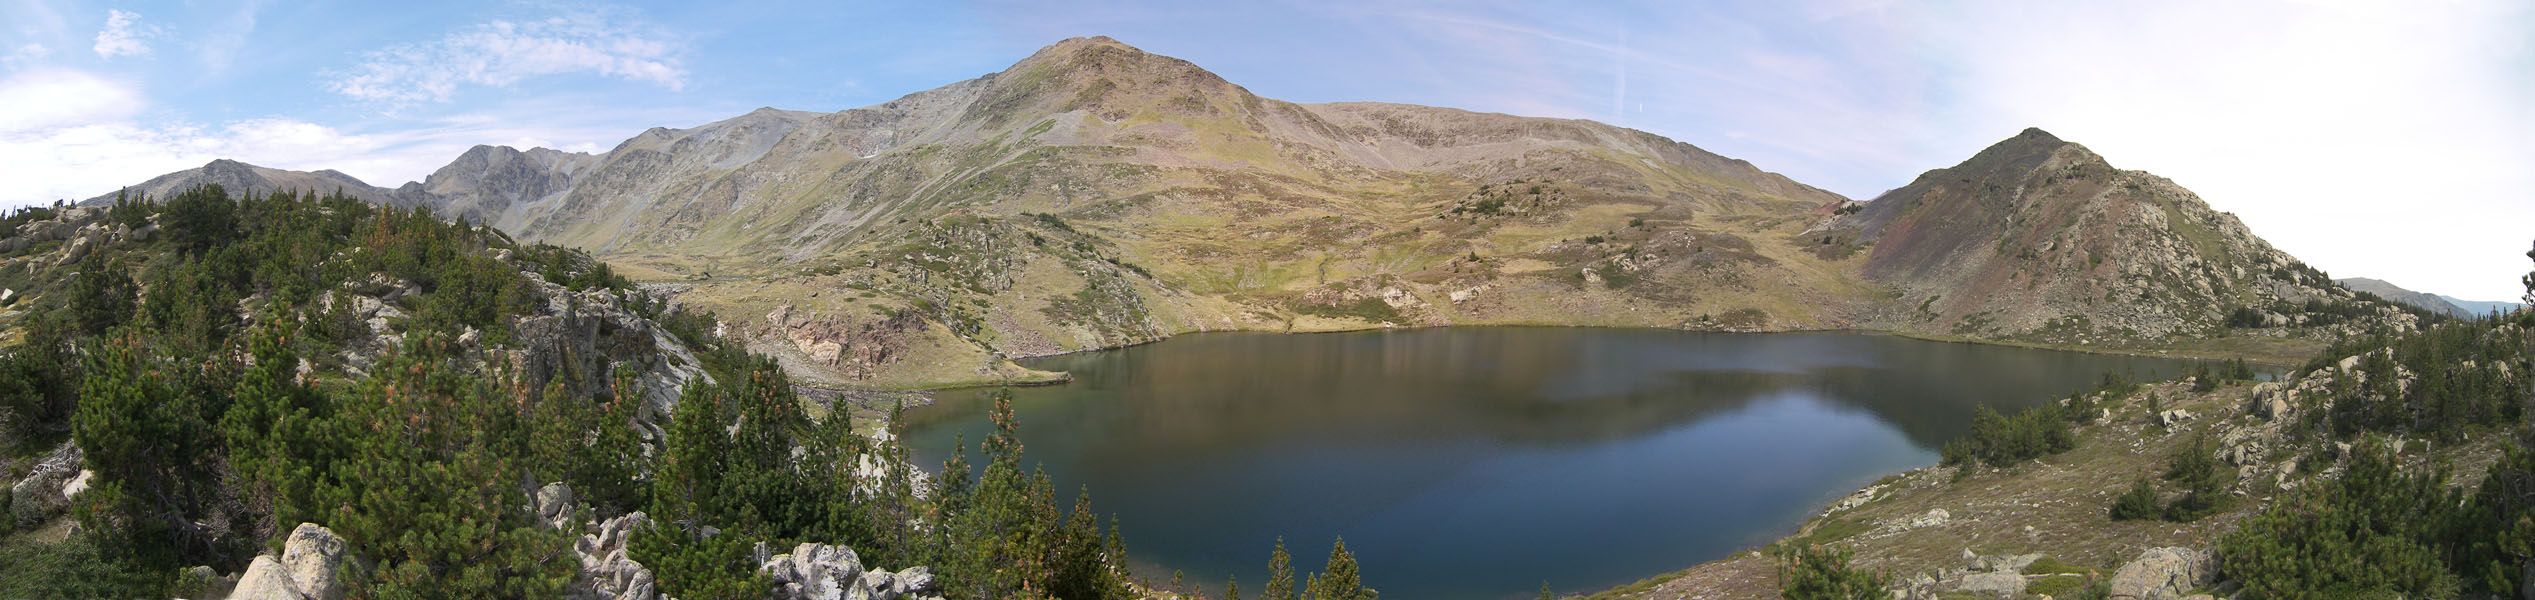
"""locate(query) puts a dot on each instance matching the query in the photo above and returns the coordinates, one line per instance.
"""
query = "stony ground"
(1931, 522)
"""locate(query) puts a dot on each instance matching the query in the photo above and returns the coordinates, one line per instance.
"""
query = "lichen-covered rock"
(2162, 574)
(606, 570)
(314, 556)
(307, 569)
(265, 579)
(556, 507)
(915, 580)
(816, 571)
(1994, 584)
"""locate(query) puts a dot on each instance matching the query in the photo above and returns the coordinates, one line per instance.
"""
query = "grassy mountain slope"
(1095, 195)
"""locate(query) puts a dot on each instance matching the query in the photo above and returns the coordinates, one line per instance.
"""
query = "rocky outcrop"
(814, 571)
(308, 569)
(61, 227)
(45, 489)
(556, 506)
(580, 336)
(855, 348)
(1986, 576)
(607, 572)
(2163, 574)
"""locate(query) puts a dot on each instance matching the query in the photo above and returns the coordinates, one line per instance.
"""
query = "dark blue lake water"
(1481, 462)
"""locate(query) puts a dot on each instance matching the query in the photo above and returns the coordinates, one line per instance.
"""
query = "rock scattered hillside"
(1094, 195)
(2040, 239)
(2042, 527)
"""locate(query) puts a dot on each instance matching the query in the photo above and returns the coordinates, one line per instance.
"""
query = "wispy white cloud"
(27, 53)
(124, 35)
(501, 53)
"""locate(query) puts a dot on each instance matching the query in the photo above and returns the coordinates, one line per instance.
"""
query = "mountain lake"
(1482, 462)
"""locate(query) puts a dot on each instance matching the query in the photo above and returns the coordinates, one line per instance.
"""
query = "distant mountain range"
(2435, 302)
(2479, 308)
(1095, 195)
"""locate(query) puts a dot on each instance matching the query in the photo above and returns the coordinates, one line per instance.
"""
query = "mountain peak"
(1074, 44)
(1106, 77)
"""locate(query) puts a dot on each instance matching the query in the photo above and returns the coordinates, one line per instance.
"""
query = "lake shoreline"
(1578, 441)
(2269, 359)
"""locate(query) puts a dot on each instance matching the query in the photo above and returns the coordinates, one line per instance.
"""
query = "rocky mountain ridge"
(2387, 290)
(1095, 195)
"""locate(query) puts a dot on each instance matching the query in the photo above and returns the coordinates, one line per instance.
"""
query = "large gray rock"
(556, 507)
(308, 569)
(815, 571)
(914, 581)
(2007, 563)
(265, 579)
(2271, 400)
(47, 230)
(607, 572)
(2162, 574)
(1995, 584)
(314, 556)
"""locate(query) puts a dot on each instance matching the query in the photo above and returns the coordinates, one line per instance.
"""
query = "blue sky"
(2392, 140)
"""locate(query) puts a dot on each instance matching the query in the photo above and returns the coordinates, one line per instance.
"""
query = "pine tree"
(142, 432)
(271, 430)
(1280, 585)
(201, 218)
(101, 295)
(2139, 503)
(1232, 588)
(1815, 573)
(2203, 484)
(1340, 580)
(1082, 566)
